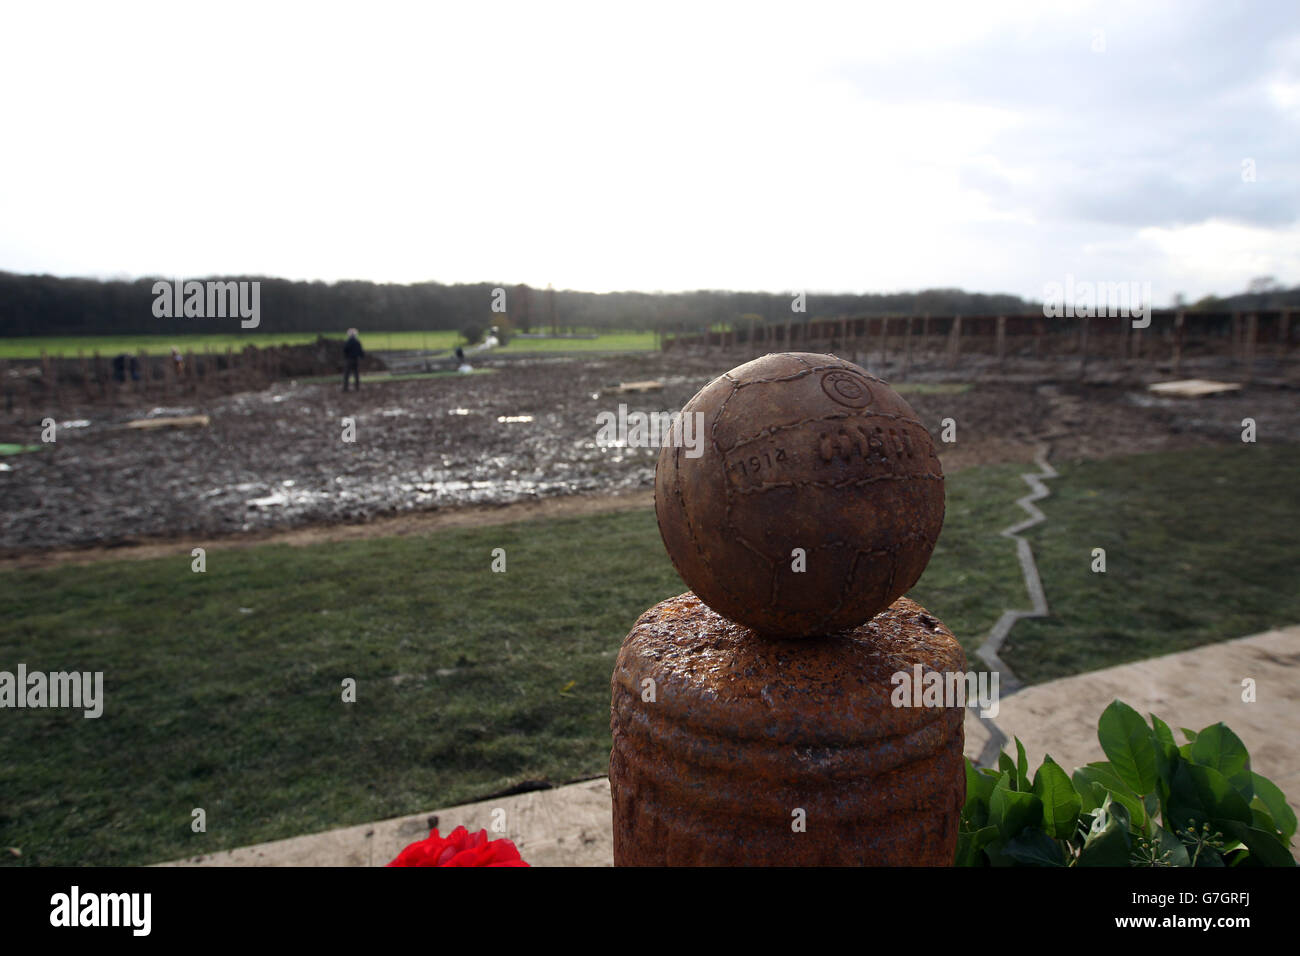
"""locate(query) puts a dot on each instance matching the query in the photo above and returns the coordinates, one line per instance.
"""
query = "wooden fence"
(1169, 336)
(127, 379)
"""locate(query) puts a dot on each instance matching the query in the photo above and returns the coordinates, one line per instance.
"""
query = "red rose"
(459, 848)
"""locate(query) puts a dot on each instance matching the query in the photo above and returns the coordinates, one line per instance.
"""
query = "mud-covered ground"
(528, 430)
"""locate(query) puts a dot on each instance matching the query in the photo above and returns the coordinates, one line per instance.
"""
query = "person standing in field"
(352, 353)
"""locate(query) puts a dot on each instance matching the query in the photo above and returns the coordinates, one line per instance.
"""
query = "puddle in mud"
(275, 498)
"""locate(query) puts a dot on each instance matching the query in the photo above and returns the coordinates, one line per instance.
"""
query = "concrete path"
(988, 651)
(571, 826)
(1190, 689)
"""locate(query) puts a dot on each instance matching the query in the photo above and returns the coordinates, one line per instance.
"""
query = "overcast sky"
(861, 147)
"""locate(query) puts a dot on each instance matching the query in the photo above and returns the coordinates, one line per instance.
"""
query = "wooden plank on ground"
(1193, 388)
(625, 387)
(174, 421)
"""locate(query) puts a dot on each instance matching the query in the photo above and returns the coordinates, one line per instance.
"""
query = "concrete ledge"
(567, 826)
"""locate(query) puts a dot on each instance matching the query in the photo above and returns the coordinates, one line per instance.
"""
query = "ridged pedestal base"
(735, 750)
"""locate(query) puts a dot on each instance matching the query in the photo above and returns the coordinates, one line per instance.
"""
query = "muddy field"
(527, 430)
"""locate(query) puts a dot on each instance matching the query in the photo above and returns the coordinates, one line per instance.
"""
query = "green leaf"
(1013, 811)
(1022, 768)
(978, 784)
(1151, 804)
(1130, 745)
(1189, 734)
(1007, 765)
(975, 812)
(1175, 847)
(1108, 842)
(1281, 812)
(1091, 795)
(1167, 758)
(1203, 795)
(1061, 803)
(1166, 748)
(1209, 859)
(971, 844)
(1163, 733)
(1033, 847)
(1260, 817)
(995, 812)
(1265, 848)
(1103, 774)
(1218, 747)
(995, 855)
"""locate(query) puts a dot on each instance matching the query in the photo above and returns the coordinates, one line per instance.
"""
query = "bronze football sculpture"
(814, 501)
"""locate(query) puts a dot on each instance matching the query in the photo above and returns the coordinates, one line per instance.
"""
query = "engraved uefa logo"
(847, 388)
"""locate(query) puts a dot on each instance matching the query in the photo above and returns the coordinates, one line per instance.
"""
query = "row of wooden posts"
(913, 335)
(91, 379)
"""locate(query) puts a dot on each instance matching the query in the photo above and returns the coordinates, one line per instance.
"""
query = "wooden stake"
(907, 347)
(1252, 323)
(1083, 346)
(1178, 342)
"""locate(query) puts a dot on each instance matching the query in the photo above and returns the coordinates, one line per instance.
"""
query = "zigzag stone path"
(988, 651)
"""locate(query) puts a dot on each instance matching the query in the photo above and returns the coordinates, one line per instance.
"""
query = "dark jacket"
(352, 349)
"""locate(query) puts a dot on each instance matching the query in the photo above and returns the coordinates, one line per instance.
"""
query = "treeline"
(49, 305)
(1262, 296)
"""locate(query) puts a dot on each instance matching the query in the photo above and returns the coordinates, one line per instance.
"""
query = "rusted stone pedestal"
(722, 737)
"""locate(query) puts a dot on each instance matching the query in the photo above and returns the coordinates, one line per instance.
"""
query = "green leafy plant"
(1151, 803)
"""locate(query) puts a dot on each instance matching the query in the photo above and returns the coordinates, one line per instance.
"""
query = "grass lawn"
(468, 682)
(932, 388)
(109, 345)
(1200, 546)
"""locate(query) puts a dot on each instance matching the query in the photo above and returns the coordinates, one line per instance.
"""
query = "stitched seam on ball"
(810, 370)
(718, 580)
(853, 572)
(830, 416)
(686, 515)
(843, 483)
